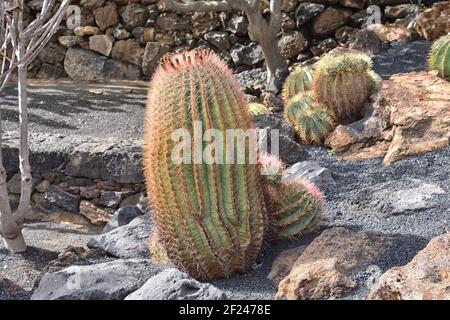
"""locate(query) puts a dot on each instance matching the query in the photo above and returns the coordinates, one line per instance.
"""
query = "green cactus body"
(296, 208)
(299, 81)
(440, 57)
(257, 109)
(343, 84)
(312, 121)
(210, 218)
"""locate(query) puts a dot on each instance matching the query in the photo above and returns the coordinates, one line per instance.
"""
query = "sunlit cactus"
(257, 109)
(343, 84)
(210, 218)
(295, 207)
(439, 58)
(272, 168)
(311, 120)
(299, 81)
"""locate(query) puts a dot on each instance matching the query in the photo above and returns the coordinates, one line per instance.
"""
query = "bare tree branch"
(275, 16)
(19, 47)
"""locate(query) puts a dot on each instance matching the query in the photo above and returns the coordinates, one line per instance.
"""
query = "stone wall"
(83, 184)
(125, 39)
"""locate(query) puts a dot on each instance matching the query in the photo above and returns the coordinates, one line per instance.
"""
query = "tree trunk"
(277, 70)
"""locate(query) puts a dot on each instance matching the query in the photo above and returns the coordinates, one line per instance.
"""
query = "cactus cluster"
(334, 93)
(439, 58)
(211, 219)
(298, 81)
(311, 120)
(343, 84)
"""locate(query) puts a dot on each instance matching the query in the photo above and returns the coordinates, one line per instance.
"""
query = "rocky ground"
(377, 218)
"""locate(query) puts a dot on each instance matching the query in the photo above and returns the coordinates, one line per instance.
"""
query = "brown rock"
(292, 43)
(367, 41)
(76, 220)
(329, 20)
(69, 41)
(411, 114)
(315, 280)
(86, 31)
(203, 22)
(154, 51)
(356, 4)
(134, 15)
(324, 269)
(426, 277)
(102, 44)
(128, 51)
(97, 215)
(420, 113)
(283, 264)
(144, 35)
(107, 16)
(388, 33)
(173, 22)
(435, 21)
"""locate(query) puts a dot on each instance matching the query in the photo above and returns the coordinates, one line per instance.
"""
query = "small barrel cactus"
(296, 208)
(210, 218)
(343, 84)
(311, 120)
(299, 81)
(440, 57)
(257, 109)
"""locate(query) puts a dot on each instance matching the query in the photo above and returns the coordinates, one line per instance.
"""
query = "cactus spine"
(299, 81)
(210, 218)
(312, 121)
(343, 84)
(440, 57)
(257, 109)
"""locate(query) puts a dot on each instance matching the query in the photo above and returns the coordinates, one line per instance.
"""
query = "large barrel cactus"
(440, 57)
(210, 218)
(343, 84)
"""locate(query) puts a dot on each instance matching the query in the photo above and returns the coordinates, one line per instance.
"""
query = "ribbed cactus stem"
(296, 208)
(210, 218)
(439, 58)
(311, 120)
(299, 81)
(343, 84)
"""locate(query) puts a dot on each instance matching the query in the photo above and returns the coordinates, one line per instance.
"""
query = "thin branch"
(275, 16)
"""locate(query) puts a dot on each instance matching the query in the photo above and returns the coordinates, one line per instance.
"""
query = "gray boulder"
(122, 217)
(172, 284)
(112, 280)
(249, 55)
(127, 241)
(56, 198)
(312, 171)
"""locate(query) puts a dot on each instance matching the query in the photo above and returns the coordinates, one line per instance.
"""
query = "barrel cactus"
(257, 109)
(343, 84)
(311, 120)
(299, 81)
(210, 218)
(295, 208)
(440, 57)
